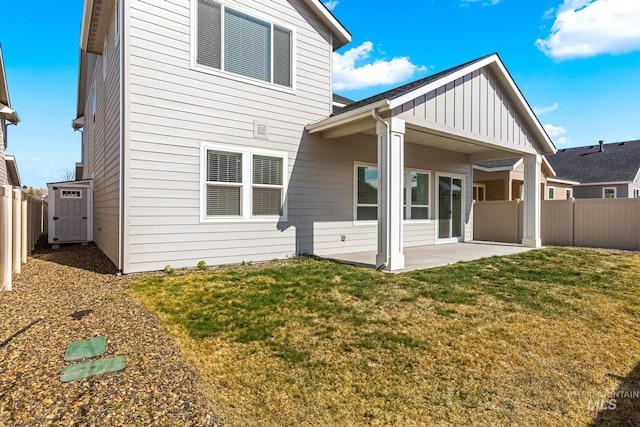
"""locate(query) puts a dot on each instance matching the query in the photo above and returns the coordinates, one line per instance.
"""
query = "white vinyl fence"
(22, 222)
(597, 223)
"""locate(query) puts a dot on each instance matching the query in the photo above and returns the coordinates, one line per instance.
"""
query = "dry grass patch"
(528, 339)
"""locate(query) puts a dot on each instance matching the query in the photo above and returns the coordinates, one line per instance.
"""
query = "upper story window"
(232, 41)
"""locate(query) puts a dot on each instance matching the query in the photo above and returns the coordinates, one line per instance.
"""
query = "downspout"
(121, 29)
(376, 116)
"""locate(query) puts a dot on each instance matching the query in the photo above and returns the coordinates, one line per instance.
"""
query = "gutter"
(376, 116)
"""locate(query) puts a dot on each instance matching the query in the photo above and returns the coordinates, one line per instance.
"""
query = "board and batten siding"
(474, 103)
(173, 109)
(101, 157)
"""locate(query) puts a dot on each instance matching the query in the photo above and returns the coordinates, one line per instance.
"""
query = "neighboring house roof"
(512, 164)
(617, 162)
(12, 171)
(339, 99)
(6, 112)
(394, 98)
(499, 165)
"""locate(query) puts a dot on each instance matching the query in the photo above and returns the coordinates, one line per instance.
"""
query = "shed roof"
(617, 162)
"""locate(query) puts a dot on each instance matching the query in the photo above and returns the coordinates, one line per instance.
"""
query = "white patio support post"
(17, 236)
(390, 193)
(6, 232)
(531, 215)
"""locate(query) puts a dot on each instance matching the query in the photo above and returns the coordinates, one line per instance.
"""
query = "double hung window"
(232, 41)
(242, 184)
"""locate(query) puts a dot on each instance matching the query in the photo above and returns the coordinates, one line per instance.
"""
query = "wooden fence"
(23, 219)
(598, 223)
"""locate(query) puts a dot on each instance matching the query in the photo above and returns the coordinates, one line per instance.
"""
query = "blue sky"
(576, 61)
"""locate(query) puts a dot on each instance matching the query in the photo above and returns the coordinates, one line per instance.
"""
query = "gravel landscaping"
(77, 296)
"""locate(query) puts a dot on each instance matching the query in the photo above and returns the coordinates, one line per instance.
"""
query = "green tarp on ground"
(85, 349)
(95, 367)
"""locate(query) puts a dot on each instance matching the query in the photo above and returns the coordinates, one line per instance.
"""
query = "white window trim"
(246, 194)
(568, 193)
(355, 193)
(549, 190)
(615, 192)
(407, 192)
(484, 187)
(463, 206)
(409, 205)
(105, 55)
(93, 101)
(239, 77)
(636, 193)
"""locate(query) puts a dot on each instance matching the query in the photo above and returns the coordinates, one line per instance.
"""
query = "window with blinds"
(267, 185)
(224, 183)
(242, 184)
(235, 42)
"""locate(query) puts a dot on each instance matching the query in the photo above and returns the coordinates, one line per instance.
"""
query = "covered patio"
(439, 126)
(424, 257)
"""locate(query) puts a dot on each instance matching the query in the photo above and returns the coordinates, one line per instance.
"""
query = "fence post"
(572, 202)
(6, 232)
(17, 240)
(23, 229)
(516, 212)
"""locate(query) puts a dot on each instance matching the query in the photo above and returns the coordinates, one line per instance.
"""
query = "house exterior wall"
(3, 165)
(475, 103)
(328, 213)
(173, 109)
(595, 191)
(101, 143)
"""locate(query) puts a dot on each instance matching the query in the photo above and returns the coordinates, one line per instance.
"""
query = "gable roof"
(6, 112)
(391, 99)
(617, 162)
(397, 92)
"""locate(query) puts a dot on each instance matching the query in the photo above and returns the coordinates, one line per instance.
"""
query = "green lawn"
(538, 338)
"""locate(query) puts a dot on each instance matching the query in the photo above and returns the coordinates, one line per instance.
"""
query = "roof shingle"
(618, 162)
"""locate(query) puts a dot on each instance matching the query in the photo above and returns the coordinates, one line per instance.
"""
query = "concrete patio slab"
(423, 257)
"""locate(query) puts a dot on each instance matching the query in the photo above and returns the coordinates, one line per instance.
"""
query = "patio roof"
(452, 132)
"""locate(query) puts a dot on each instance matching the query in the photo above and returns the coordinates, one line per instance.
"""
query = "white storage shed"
(70, 212)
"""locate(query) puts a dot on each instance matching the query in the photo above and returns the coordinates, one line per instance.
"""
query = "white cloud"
(468, 3)
(331, 4)
(563, 140)
(554, 131)
(548, 14)
(544, 110)
(584, 28)
(347, 75)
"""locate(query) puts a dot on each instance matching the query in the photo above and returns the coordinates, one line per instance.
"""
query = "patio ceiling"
(436, 136)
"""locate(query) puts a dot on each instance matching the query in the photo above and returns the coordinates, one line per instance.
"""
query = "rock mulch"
(156, 388)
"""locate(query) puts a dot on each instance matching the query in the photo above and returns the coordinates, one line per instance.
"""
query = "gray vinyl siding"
(102, 147)
(321, 194)
(3, 165)
(474, 103)
(595, 191)
(173, 109)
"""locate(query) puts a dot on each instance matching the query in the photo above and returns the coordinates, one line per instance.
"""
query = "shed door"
(71, 215)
